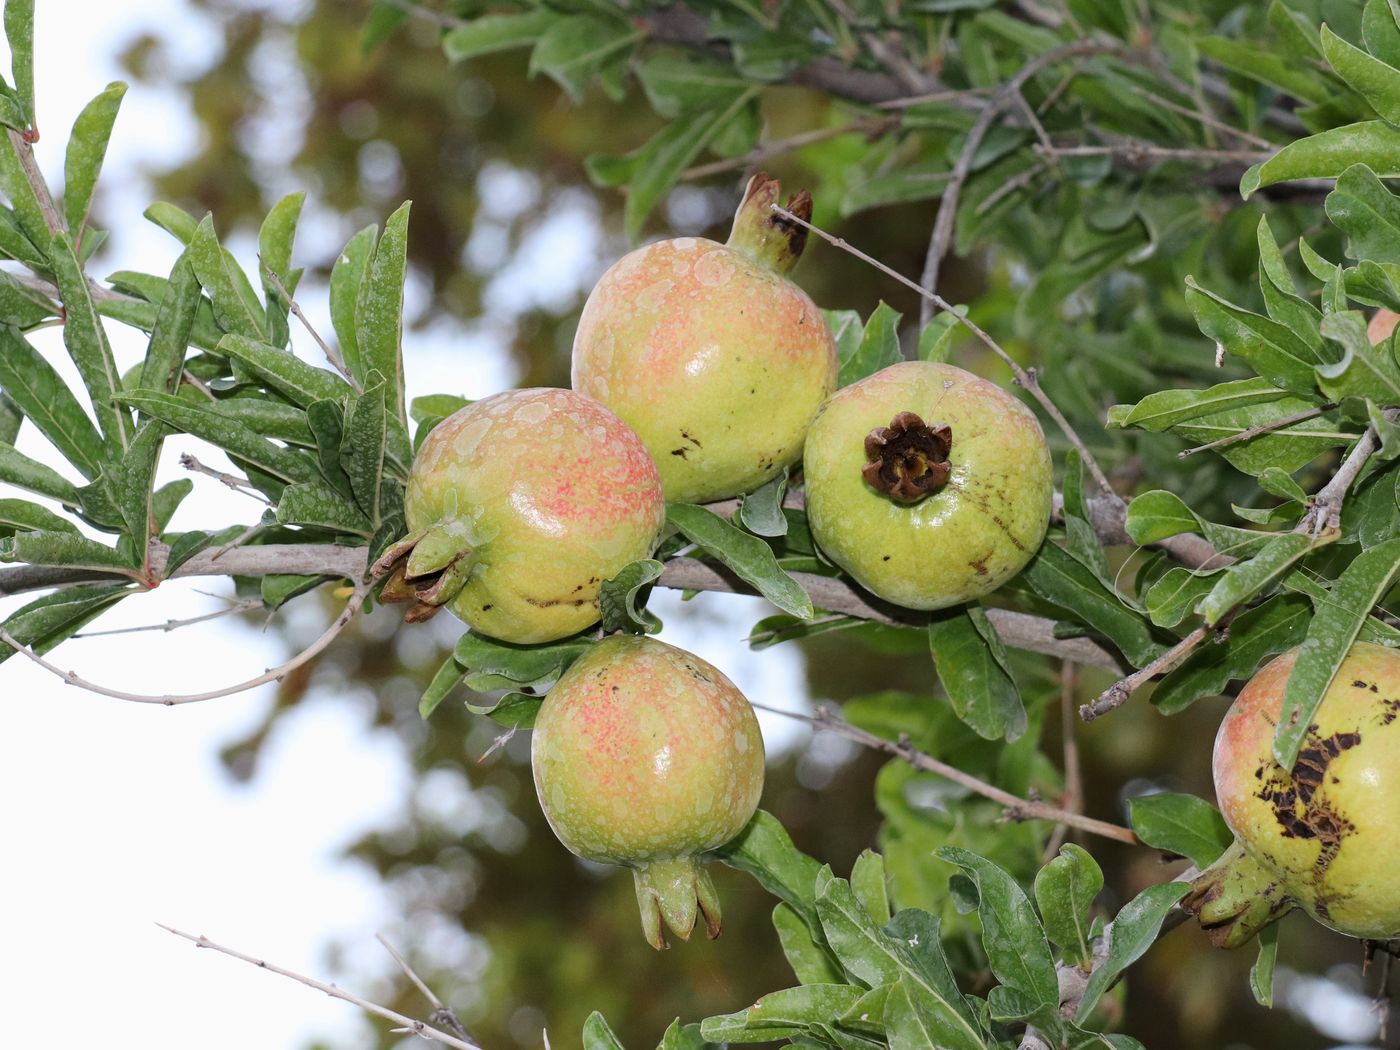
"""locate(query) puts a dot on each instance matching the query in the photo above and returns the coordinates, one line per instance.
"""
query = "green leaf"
(170, 338)
(66, 550)
(936, 340)
(435, 407)
(275, 239)
(597, 1035)
(1012, 936)
(43, 396)
(174, 220)
(282, 370)
(846, 330)
(1379, 31)
(347, 277)
(762, 510)
(229, 434)
(1372, 79)
(1334, 627)
(1181, 824)
(87, 147)
(447, 678)
(1168, 408)
(869, 885)
(972, 667)
(317, 504)
(18, 469)
(1329, 153)
(513, 710)
(1261, 974)
(1176, 593)
(1157, 515)
(764, 850)
(132, 481)
(865, 953)
(618, 599)
(236, 308)
(492, 665)
(678, 82)
(1276, 70)
(21, 515)
(1368, 213)
(928, 980)
(1059, 579)
(1243, 580)
(1132, 933)
(87, 342)
(19, 31)
(379, 312)
(489, 34)
(1065, 889)
(573, 49)
(1280, 294)
(810, 961)
(365, 446)
(1271, 349)
(878, 348)
(750, 558)
(1274, 626)
(48, 621)
(1364, 371)
(911, 1024)
(22, 307)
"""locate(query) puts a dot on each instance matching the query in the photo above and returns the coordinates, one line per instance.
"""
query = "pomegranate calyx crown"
(761, 233)
(908, 459)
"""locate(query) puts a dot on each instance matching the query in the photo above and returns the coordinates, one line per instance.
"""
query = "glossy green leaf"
(810, 961)
(170, 338)
(750, 558)
(1364, 371)
(64, 549)
(21, 515)
(928, 978)
(44, 398)
(174, 220)
(46, 622)
(493, 664)
(1329, 153)
(491, 33)
(18, 469)
(574, 49)
(1281, 297)
(912, 1023)
(87, 147)
(132, 479)
(1176, 593)
(1271, 349)
(1012, 936)
(1261, 974)
(1379, 31)
(597, 1035)
(1372, 79)
(447, 677)
(762, 510)
(869, 885)
(435, 406)
(318, 505)
(972, 668)
(1368, 213)
(1243, 580)
(236, 308)
(878, 348)
(1065, 889)
(619, 602)
(1059, 579)
(379, 312)
(765, 851)
(678, 82)
(854, 937)
(19, 32)
(347, 277)
(275, 239)
(1132, 933)
(1168, 408)
(1182, 824)
(1334, 627)
(87, 344)
(298, 381)
(1292, 77)
(782, 1013)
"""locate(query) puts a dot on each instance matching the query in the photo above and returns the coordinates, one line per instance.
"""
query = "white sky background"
(117, 815)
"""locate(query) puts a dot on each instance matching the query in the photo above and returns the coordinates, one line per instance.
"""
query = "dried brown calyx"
(772, 239)
(908, 458)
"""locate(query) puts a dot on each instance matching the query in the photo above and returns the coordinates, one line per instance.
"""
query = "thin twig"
(952, 95)
(416, 1027)
(332, 355)
(1144, 154)
(1204, 118)
(199, 384)
(1004, 97)
(442, 1014)
(1025, 377)
(1259, 428)
(238, 541)
(1018, 181)
(1325, 514)
(170, 700)
(1117, 694)
(1017, 808)
(1073, 797)
(24, 148)
(872, 126)
(247, 605)
(233, 481)
(427, 14)
(890, 57)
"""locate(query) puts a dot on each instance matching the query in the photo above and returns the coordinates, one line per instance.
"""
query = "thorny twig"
(332, 355)
(442, 1014)
(233, 481)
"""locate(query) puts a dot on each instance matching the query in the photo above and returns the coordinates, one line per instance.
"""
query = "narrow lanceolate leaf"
(782, 1013)
(44, 623)
(365, 446)
(1012, 936)
(275, 238)
(1167, 408)
(1132, 933)
(19, 31)
(1368, 213)
(17, 515)
(1281, 297)
(879, 347)
(1334, 627)
(43, 396)
(491, 33)
(447, 678)
(573, 49)
(347, 276)
(174, 220)
(299, 382)
(132, 480)
(1329, 153)
(86, 150)
(972, 669)
(326, 420)
(379, 311)
(228, 434)
(236, 308)
(750, 558)
(1243, 580)
(864, 951)
(170, 339)
(1372, 79)
(87, 342)
(66, 549)
(19, 470)
(1261, 974)
(1064, 891)
(1271, 349)
(1181, 824)
(316, 504)
(1058, 578)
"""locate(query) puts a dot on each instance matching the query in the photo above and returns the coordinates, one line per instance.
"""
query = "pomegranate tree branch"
(409, 1024)
(332, 355)
(873, 127)
(1017, 808)
(24, 149)
(1258, 429)
(1116, 695)
(442, 1014)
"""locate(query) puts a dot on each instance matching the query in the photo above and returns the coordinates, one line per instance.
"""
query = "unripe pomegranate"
(1382, 324)
(519, 506)
(1325, 836)
(710, 353)
(647, 756)
(929, 485)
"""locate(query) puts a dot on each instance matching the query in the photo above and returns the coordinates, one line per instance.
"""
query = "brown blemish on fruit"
(908, 459)
(1302, 811)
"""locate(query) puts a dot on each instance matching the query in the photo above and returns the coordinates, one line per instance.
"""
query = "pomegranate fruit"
(710, 353)
(647, 756)
(929, 485)
(1382, 324)
(518, 507)
(1324, 837)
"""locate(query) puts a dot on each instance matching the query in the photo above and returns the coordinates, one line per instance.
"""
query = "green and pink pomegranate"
(645, 755)
(929, 485)
(1324, 836)
(519, 506)
(710, 353)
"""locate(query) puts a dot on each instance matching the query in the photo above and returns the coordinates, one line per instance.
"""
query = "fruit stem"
(770, 239)
(676, 891)
(908, 459)
(1235, 898)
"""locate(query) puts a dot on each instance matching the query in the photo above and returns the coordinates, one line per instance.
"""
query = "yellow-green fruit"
(1324, 836)
(520, 505)
(928, 484)
(710, 353)
(647, 756)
